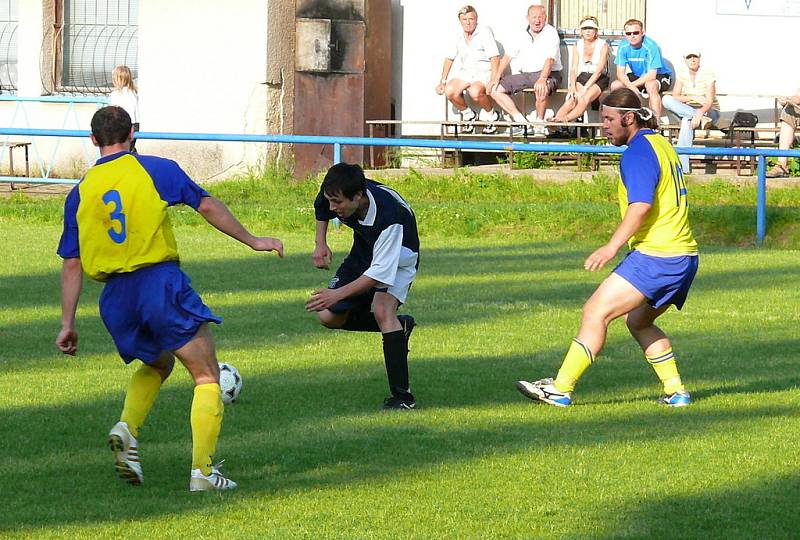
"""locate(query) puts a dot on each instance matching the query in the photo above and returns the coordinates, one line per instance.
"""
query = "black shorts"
(348, 273)
(665, 80)
(602, 81)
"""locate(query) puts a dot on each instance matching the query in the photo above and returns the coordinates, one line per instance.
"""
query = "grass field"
(496, 300)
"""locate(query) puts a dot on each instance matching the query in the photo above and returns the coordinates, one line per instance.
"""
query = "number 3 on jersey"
(117, 233)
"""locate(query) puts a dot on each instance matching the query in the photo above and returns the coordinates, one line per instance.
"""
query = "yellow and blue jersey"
(650, 172)
(116, 218)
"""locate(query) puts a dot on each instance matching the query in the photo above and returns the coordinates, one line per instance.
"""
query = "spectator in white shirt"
(126, 96)
(537, 65)
(477, 57)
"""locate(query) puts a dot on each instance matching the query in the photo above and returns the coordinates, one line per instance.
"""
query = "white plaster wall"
(202, 68)
(752, 54)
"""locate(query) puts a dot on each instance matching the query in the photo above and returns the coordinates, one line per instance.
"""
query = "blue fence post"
(337, 153)
(761, 201)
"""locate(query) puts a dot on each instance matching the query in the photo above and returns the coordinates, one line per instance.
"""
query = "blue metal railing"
(761, 153)
(69, 113)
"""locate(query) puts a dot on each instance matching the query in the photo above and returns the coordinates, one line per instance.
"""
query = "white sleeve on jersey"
(386, 255)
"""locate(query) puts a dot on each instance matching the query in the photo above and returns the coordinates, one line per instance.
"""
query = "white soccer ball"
(230, 382)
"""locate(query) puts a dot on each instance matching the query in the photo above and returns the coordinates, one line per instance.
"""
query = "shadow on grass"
(757, 509)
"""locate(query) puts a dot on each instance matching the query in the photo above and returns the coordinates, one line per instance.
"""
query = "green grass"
(497, 300)
(477, 205)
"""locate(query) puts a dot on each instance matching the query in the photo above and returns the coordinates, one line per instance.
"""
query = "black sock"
(395, 356)
(361, 320)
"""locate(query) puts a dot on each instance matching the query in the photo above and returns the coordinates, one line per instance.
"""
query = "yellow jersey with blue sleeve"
(116, 218)
(650, 172)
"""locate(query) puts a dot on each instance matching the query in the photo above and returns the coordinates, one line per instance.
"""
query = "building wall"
(203, 68)
(748, 52)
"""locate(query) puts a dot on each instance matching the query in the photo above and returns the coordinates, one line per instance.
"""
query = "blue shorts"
(152, 310)
(663, 280)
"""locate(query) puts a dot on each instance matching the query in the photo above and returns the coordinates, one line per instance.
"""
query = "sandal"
(778, 171)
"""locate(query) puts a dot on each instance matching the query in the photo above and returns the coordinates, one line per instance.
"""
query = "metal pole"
(761, 201)
(337, 153)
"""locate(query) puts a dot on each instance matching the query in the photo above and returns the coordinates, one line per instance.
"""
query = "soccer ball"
(230, 382)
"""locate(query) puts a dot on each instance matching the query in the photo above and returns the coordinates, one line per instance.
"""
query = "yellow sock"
(142, 391)
(578, 358)
(207, 411)
(667, 370)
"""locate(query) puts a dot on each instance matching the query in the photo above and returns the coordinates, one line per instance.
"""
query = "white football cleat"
(544, 390)
(126, 454)
(215, 480)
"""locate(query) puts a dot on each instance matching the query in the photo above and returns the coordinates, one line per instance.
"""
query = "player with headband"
(655, 274)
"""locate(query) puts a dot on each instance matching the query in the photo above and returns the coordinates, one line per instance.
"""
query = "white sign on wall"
(772, 8)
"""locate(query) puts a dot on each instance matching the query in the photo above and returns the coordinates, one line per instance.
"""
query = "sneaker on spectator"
(540, 130)
(491, 129)
(519, 131)
(468, 115)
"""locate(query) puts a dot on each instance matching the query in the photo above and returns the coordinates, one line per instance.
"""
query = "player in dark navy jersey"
(375, 277)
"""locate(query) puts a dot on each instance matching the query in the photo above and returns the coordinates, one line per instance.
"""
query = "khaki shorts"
(791, 115)
(472, 76)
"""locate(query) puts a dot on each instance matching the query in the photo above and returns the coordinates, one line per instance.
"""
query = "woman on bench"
(588, 76)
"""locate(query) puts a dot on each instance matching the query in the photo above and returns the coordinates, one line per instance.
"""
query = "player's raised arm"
(71, 284)
(217, 214)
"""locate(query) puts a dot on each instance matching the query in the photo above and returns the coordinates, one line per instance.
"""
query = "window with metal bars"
(91, 38)
(8, 44)
(611, 15)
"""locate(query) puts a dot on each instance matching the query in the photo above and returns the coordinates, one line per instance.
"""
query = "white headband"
(645, 113)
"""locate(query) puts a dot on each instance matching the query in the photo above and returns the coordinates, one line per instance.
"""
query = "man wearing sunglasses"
(648, 75)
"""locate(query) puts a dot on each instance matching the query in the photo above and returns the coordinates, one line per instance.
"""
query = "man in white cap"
(693, 100)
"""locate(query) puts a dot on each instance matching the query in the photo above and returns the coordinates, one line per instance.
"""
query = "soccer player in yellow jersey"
(117, 230)
(656, 273)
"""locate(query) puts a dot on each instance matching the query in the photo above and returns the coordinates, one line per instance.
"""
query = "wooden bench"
(742, 137)
(452, 130)
(13, 145)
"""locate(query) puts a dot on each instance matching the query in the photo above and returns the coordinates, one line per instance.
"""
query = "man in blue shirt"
(648, 73)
